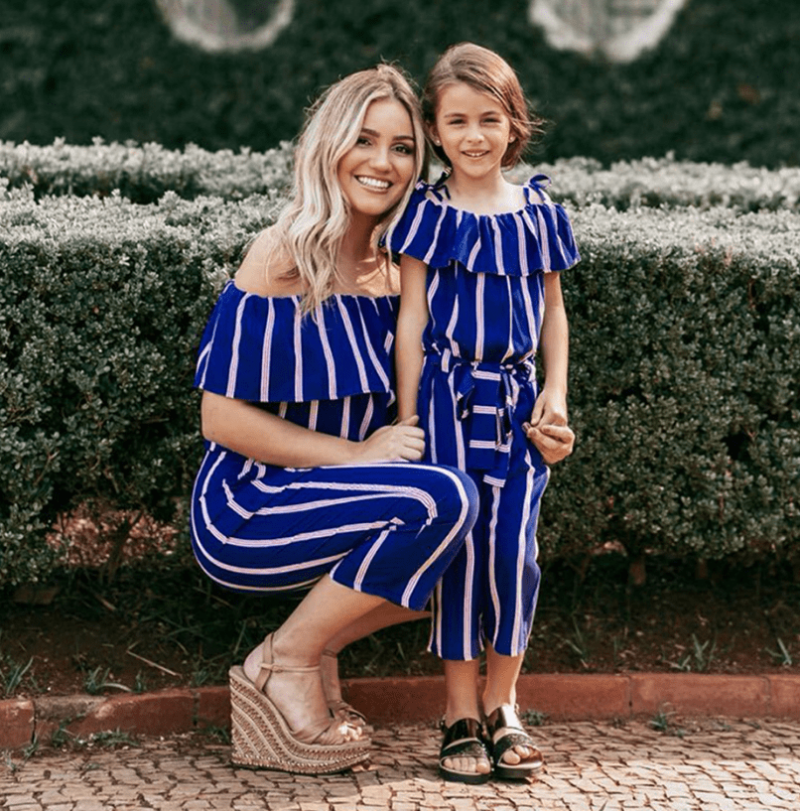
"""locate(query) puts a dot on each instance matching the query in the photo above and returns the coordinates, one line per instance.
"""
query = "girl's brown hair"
(486, 72)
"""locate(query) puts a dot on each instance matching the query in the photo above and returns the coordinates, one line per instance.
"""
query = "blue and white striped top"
(485, 284)
(485, 291)
(328, 370)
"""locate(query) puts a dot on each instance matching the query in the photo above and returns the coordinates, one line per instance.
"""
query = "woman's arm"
(411, 323)
(258, 434)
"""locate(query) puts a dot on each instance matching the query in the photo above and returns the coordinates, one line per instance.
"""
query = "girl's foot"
(514, 753)
(298, 694)
(463, 757)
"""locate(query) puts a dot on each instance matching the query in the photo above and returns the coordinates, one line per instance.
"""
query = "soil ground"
(160, 623)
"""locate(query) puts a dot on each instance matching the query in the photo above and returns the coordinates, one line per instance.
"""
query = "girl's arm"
(258, 434)
(548, 425)
(410, 325)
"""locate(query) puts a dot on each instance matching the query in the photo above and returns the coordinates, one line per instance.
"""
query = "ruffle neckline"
(264, 349)
(536, 237)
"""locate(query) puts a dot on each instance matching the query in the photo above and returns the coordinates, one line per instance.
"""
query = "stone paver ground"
(708, 764)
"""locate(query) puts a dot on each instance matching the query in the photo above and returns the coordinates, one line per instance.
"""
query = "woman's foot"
(332, 687)
(463, 756)
(514, 753)
(298, 694)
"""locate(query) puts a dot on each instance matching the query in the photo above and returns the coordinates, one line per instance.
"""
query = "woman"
(303, 483)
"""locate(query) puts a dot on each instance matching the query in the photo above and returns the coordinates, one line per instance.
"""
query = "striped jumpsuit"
(386, 529)
(485, 293)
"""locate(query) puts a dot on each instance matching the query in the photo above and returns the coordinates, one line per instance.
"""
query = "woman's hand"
(404, 441)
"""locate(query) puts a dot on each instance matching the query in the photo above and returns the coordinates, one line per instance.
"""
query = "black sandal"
(504, 717)
(464, 737)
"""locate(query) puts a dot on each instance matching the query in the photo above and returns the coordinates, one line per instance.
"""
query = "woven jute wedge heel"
(263, 740)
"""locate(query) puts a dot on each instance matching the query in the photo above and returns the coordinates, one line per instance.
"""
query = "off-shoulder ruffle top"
(330, 369)
(536, 237)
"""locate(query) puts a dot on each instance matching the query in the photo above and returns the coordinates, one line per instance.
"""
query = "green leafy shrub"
(683, 391)
(685, 331)
(101, 309)
(144, 173)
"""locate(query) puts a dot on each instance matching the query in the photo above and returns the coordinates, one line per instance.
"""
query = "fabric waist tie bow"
(486, 396)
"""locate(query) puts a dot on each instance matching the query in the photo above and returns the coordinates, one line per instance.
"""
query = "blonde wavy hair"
(310, 229)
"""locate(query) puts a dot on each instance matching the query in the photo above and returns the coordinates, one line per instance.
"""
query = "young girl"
(480, 293)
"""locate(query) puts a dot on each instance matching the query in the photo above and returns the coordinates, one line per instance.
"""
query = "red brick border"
(562, 697)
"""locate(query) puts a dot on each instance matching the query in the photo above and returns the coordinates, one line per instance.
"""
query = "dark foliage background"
(721, 87)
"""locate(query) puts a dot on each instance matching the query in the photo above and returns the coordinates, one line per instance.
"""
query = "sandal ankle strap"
(267, 668)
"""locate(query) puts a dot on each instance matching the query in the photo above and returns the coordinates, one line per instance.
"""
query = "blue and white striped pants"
(386, 529)
(489, 594)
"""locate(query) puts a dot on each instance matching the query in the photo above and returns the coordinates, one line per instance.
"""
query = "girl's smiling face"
(473, 129)
(375, 173)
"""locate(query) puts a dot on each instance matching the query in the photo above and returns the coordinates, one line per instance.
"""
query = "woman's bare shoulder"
(265, 267)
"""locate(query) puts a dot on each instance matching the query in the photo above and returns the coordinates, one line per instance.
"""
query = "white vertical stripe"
(298, 355)
(523, 253)
(206, 353)
(480, 315)
(436, 628)
(544, 242)
(450, 331)
(313, 414)
(493, 561)
(510, 346)
(237, 336)
(348, 326)
(474, 253)
(414, 227)
(376, 364)
(520, 565)
(344, 426)
(282, 409)
(367, 421)
(431, 250)
(431, 438)
(266, 351)
(326, 350)
(468, 606)
(364, 567)
(498, 247)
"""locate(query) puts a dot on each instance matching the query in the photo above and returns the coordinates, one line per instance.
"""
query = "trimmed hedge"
(143, 173)
(102, 304)
(685, 334)
(684, 339)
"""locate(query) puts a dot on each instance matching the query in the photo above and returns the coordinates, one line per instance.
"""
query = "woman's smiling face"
(375, 173)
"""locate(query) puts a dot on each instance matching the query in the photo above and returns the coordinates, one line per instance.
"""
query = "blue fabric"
(263, 349)
(388, 530)
(485, 292)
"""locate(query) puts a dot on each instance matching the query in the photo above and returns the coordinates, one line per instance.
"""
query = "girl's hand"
(392, 443)
(554, 442)
(548, 429)
(549, 409)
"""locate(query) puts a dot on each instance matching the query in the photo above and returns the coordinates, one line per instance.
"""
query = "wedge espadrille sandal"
(262, 739)
(343, 711)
